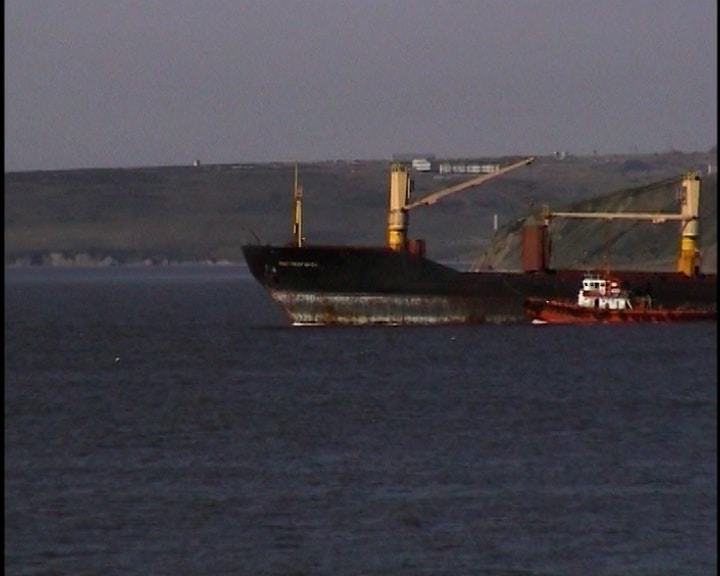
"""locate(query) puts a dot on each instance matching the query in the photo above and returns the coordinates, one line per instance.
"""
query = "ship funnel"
(535, 246)
(398, 198)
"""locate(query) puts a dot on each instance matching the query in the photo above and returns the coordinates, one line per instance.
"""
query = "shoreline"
(116, 265)
(57, 259)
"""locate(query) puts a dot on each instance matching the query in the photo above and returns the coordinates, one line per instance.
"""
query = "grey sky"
(106, 83)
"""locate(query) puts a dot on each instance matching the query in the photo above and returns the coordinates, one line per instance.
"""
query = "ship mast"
(297, 237)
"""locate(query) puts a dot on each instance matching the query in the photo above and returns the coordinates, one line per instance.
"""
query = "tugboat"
(602, 299)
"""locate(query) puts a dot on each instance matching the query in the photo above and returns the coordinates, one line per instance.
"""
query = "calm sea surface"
(168, 421)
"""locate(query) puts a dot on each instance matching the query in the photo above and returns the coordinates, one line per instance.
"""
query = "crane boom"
(399, 199)
(688, 261)
(435, 196)
(656, 217)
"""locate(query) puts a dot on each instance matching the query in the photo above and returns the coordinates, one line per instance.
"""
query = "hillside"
(205, 213)
(638, 244)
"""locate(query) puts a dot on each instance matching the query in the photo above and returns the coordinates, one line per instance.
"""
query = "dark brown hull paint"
(376, 285)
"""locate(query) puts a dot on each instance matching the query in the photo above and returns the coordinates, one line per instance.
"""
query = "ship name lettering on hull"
(296, 264)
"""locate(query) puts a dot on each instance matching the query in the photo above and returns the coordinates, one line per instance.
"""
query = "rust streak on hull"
(304, 308)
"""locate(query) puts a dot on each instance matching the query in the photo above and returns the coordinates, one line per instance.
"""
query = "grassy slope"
(208, 212)
(626, 243)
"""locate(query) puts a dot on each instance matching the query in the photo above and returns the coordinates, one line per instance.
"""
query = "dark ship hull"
(378, 285)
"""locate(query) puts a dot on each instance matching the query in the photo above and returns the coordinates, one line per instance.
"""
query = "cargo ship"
(396, 284)
(602, 299)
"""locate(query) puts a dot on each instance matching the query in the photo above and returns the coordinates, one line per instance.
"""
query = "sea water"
(171, 421)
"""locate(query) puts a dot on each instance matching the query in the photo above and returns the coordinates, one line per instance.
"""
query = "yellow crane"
(688, 260)
(400, 191)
